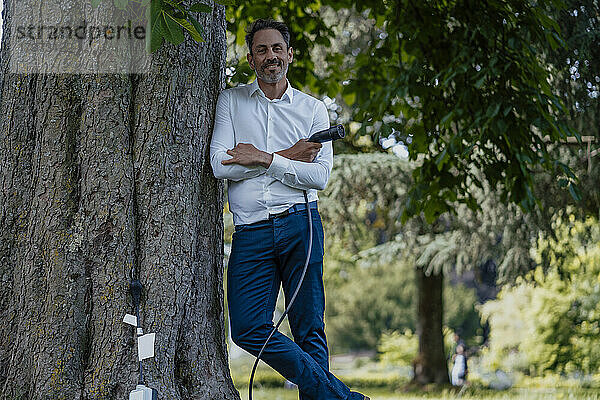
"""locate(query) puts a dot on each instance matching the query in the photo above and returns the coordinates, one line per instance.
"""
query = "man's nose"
(270, 54)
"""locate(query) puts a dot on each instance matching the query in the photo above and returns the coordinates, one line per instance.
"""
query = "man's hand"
(248, 155)
(301, 151)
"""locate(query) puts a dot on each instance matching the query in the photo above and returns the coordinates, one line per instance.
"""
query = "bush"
(550, 321)
(373, 298)
(397, 348)
(370, 300)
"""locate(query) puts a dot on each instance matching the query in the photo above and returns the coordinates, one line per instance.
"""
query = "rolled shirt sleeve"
(223, 139)
(304, 175)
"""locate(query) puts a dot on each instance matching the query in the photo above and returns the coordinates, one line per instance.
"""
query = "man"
(259, 145)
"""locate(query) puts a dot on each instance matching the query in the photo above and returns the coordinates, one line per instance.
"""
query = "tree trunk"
(430, 365)
(103, 177)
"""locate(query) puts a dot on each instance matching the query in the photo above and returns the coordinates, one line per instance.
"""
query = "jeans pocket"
(240, 228)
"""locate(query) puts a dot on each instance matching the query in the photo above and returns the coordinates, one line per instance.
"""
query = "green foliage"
(367, 194)
(551, 320)
(169, 19)
(361, 208)
(470, 90)
(365, 302)
(511, 328)
(576, 78)
(461, 86)
(397, 348)
(460, 312)
(578, 62)
(367, 299)
(364, 199)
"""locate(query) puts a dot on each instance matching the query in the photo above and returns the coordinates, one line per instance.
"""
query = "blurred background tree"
(371, 254)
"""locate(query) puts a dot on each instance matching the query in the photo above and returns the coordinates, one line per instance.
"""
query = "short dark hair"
(262, 24)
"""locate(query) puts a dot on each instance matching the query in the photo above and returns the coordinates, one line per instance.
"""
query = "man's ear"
(290, 55)
(250, 60)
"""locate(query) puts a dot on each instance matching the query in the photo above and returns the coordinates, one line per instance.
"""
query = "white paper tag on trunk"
(130, 319)
(146, 346)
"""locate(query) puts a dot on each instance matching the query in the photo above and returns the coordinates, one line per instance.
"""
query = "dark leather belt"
(293, 209)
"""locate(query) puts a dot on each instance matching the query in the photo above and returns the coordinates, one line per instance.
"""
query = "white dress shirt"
(246, 115)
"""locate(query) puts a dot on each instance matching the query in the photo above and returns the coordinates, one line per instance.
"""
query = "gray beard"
(272, 77)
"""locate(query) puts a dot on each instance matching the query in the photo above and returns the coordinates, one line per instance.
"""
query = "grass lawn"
(383, 394)
(388, 383)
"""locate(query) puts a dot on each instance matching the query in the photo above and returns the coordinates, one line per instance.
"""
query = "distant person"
(457, 341)
(459, 369)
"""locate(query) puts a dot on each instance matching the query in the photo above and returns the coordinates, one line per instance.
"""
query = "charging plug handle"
(334, 133)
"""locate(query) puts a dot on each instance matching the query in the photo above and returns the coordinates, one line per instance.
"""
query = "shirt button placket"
(269, 123)
(267, 193)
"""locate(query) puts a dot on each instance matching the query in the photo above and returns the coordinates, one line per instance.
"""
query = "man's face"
(270, 56)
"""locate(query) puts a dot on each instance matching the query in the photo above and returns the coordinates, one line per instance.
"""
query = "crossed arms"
(302, 166)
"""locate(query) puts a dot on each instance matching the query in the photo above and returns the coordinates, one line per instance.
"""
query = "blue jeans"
(263, 256)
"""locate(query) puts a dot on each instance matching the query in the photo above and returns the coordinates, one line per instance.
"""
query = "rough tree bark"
(101, 175)
(430, 364)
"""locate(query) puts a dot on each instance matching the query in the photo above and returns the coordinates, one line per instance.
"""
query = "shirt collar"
(289, 92)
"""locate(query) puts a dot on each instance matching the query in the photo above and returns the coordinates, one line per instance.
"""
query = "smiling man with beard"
(259, 145)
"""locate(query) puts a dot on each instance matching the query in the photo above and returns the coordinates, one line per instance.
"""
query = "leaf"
(171, 29)
(96, 3)
(225, 2)
(176, 6)
(200, 7)
(185, 24)
(155, 10)
(156, 35)
(441, 159)
(575, 193)
(559, 39)
(433, 208)
(241, 33)
(472, 203)
(563, 183)
(492, 110)
(447, 117)
(565, 168)
(155, 28)
(198, 27)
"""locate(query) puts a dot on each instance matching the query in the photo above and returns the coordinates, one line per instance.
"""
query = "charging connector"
(142, 392)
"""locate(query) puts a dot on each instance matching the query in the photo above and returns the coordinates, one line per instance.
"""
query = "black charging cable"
(333, 133)
(135, 288)
(310, 240)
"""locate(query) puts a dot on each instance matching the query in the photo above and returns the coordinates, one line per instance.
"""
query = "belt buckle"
(281, 214)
